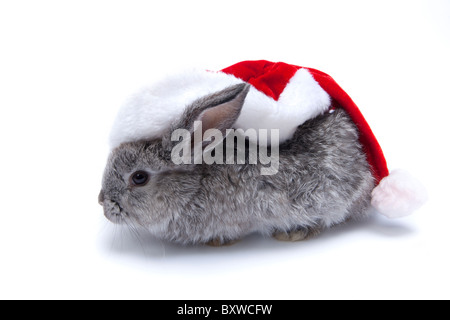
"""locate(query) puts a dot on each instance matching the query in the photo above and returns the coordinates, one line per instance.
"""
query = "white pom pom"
(398, 195)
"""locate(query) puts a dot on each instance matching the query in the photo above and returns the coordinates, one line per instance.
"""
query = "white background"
(66, 67)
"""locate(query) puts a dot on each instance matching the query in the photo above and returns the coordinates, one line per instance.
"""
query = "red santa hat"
(282, 96)
(272, 79)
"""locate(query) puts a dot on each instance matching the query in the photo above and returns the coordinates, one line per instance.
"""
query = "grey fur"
(323, 180)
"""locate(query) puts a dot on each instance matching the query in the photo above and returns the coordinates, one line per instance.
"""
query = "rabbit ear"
(218, 111)
(223, 108)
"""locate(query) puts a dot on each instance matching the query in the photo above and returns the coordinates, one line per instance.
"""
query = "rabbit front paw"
(217, 242)
(298, 234)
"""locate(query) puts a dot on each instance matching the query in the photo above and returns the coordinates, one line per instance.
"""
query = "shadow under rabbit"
(140, 244)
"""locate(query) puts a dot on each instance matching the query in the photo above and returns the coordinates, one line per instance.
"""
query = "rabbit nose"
(101, 197)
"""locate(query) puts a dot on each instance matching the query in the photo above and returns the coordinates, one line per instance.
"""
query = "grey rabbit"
(323, 179)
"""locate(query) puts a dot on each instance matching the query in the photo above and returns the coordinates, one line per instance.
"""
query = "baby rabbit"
(322, 177)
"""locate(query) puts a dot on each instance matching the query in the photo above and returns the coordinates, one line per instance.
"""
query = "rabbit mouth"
(114, 212)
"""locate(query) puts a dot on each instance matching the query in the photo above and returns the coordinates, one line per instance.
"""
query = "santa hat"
(282, 96)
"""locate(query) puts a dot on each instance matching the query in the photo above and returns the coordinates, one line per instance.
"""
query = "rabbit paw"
(298, 234)
(217, 242)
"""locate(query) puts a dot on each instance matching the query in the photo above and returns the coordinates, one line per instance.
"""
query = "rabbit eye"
(139, 178)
